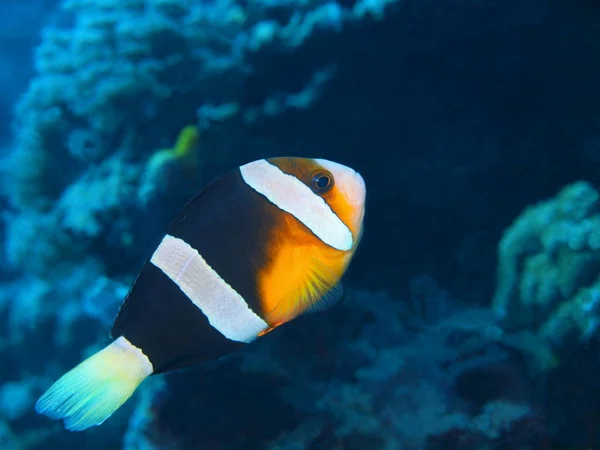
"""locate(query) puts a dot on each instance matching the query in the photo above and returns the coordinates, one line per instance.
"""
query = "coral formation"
(88, 187)
(131, 94)
(549, 260)
(380, 378)
(401, 373)
(118, 83)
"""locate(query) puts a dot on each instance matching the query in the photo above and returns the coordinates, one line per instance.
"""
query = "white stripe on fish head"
(289, 194)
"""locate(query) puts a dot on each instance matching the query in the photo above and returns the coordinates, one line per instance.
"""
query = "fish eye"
(321, 182)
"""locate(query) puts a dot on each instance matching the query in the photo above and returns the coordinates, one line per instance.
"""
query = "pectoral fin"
(319, 289)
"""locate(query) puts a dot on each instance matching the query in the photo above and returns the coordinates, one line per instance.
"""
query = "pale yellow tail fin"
(91, 392)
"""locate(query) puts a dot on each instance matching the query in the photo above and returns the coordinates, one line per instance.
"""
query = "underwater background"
(471, 313)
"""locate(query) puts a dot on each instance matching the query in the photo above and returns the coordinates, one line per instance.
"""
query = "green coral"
(549, 268)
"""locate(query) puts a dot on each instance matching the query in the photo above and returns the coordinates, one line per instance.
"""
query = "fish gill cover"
(475, 126)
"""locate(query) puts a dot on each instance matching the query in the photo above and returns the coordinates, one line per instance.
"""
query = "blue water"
(470, 313)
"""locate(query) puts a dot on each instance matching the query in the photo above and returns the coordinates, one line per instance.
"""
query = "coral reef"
(428, 372)
(374, 375)
(118, 83)
(136, 103)
(115, 83)
(549, 261)
(88, 184)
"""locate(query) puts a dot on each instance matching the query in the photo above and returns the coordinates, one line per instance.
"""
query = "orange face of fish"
(322, 207)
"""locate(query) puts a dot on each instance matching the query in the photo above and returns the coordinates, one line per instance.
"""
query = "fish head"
(342, 188)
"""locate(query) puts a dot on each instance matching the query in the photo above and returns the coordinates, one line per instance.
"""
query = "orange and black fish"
(256, 248)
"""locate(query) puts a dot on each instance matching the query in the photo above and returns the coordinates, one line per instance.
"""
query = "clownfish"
(256, 248)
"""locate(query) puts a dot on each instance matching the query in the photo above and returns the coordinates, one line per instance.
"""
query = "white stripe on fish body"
(134, 352)
(225, 309)
(289, 194)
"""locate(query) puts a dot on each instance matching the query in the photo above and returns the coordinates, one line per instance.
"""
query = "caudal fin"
(91, 392)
